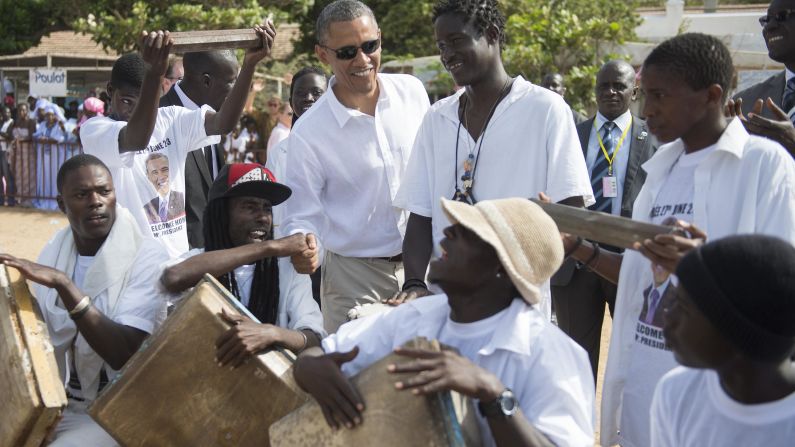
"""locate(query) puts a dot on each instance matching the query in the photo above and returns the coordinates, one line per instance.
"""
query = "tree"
(572, 37)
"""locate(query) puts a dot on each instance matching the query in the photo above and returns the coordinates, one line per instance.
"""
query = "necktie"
(163, 210)
(208, 157)
(788, 100)
(600, 169)
(654, 300)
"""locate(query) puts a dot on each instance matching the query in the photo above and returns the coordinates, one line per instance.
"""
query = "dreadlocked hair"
(482, 13)
(264, 296)
(698, 59)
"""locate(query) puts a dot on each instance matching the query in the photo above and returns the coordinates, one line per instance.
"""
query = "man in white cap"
(532, 383)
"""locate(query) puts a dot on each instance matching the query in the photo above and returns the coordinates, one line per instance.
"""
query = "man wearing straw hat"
(532, 383)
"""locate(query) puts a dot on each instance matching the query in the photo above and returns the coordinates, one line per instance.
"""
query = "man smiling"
(770, 104)
(345, 161)
(498, 137)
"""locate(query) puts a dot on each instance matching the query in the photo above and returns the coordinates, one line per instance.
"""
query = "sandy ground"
(24, 232)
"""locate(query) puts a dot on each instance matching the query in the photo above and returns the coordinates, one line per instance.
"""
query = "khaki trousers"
(346, 282)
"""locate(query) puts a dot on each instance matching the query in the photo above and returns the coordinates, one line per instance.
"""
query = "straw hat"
(526, 239)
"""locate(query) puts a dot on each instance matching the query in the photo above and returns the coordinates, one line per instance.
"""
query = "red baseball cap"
(248, 180)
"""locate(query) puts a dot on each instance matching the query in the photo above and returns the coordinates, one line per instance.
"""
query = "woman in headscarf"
(50, 154)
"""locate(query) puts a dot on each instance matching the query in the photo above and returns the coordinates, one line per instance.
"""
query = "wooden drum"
(173, 393)
(392, 418)
(33, 395)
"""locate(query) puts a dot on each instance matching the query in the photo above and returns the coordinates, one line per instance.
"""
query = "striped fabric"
(603, 204)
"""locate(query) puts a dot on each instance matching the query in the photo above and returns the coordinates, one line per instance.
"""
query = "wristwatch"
(505, 405)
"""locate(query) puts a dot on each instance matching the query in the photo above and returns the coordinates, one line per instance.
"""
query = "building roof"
(286, 35)
(70, 43)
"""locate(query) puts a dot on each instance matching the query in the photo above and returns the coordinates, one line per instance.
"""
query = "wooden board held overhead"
(33, 395)
(391, 418)
(601, 227)
(173, 393)
(228, 39)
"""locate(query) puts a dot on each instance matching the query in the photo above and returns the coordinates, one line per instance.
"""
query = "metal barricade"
(34, 166)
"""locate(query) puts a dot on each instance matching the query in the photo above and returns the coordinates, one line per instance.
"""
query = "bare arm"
(187, 273)
(114, 342)
(155, 47)
(417, 249)
(224, 121)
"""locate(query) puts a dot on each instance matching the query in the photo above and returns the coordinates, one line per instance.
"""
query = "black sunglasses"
(350, 51)
(780, 17)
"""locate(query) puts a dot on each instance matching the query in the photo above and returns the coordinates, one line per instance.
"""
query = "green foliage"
(117, 31)
(571, 37)
(22, 23)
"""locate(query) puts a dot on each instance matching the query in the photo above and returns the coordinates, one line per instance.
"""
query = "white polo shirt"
(745, 185)
(345, 168)
(546, 370)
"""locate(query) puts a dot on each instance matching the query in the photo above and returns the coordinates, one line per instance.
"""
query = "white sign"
(47, 82)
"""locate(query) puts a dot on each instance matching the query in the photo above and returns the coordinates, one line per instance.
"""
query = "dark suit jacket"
(772, 87)
(666, 301)
(176, 207)
(641, 148)
(197, 181)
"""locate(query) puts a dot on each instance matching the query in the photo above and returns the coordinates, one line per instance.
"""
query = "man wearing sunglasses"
(345, 161)
(768, 108)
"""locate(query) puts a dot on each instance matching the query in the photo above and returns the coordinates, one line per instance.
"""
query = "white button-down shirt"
(345, 167)
(622, 157)
(746, 185)
(546, 370)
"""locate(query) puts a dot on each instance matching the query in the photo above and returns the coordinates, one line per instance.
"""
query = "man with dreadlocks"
(499, 136)
(240, 251)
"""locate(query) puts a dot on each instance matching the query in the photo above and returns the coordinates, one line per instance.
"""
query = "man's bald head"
(209, 76)
(615, 88)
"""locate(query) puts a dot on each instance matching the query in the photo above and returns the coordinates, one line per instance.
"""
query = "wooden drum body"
(33, 396)
(173, 393)
(392, 418)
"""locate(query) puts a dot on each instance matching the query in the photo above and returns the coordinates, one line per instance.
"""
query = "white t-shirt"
(547, 371)
(691, 409)
(297, 308)
(345, 167)
(745, 184)
(277, 159)
(651, 356)
(530, 145)
(278, 134)
(177, 131)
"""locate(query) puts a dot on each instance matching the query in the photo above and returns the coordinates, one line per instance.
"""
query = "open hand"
(445, 370)
(307, 261)
(322, 377)
(779, 129)
(267, 34)
(155, 47)
(411, 293)
(40, 274)
(244, 339)
(666, 250)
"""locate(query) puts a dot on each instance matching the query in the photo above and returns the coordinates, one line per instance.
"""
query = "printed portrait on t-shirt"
(167, 204)
(657, 296)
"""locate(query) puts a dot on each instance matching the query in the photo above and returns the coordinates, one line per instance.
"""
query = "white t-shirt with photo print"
(651, 358)
(145, 178)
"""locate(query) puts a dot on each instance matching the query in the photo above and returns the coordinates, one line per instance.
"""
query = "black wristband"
(413, 282)
(594, 256)
(573, 249)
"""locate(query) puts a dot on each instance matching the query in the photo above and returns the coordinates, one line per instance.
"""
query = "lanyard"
(618, 146)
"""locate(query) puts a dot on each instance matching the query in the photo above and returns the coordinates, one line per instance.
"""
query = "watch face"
(508, 402)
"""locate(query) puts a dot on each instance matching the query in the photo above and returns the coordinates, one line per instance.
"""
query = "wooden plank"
(601, 227)
(392, 418)
(34, 396)
(172, 391)
(189, 41)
